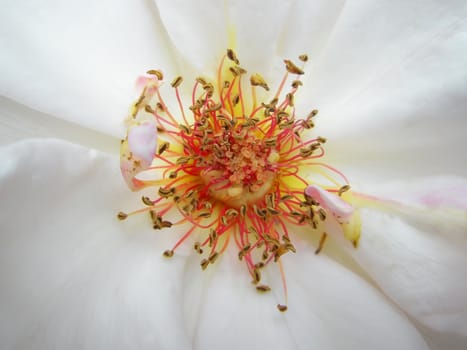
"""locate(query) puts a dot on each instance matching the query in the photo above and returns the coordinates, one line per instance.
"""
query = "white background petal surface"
(73, 276)
(79, 60)
(390, 79)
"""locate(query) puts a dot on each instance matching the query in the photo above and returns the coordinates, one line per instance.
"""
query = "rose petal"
(383, 68)
(18, 122)
(415, 251)
(73, 276)
(329, 308)
(80, 61)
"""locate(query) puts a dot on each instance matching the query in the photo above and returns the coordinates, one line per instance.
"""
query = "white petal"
(329, 308)
(385, 67)
(262, 32)
(73, 276)
(416, 253)
(80, 61)
(18, 122)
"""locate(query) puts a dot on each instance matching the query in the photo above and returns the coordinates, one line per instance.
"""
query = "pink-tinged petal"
(142, 142)
(413, 244)
(137, 152)
(341, 210)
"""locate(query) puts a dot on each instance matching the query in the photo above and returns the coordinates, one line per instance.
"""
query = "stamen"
(234, 168)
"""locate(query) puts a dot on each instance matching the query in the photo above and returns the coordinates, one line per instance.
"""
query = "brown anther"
(231, 212)
(256, 276)
(282, 308)
(257, 80)
(290, 98)
(147, 201)
(168, 253)
(281, 250)
(173, 175)
(263, 288)
(321, 243)
(160, 106)
(204, 264)
(204, 214)
(176, 82)
(166, 224)
(271, 141)
(286, 197)
(290, 247)
(265, 255)
(226, 84)
(273, 211)
(197, 247)
(157, 73)
(213, 257)
(286, 239)
(322, 214)
(184, 128)
(313, 113)
(166, 192)
(259, 265)
(214, 108)
(232, 56)
(149, 109)
(296, 84)
(236, 100)
(303, 58)
(163, 147)
(292, 68)
(321, 139)
(183, 160)
(201, 81)
(122, 216)
(243, 210)
(343, 189)
(236, 71)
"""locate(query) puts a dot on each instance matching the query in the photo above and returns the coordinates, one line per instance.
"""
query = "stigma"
(233, 168)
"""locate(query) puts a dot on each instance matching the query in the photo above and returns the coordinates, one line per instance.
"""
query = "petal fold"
(413, 244)
(79, 61)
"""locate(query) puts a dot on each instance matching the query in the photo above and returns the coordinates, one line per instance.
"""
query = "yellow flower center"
(232, 171)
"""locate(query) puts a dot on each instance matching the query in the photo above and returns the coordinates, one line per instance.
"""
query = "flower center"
(233, 170)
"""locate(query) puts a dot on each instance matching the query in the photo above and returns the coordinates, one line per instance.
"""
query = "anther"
(257, 80)
(232, 56)
(163, 147)
(147, 201)
(168, 253)
(282, 308)
(296, 84)
(263, 288)
(176, 82)
(204, 264)
(292, 68)
(122, 216)
(303, 58)
(343, 189)
(157, 73)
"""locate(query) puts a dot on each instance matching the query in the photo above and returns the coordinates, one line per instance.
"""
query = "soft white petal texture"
(203, 30)
(18, 122)
(416, 252)
(80, 60)
(329, 308)
(72, 275)
(262, 32)
(387, 64)
(75, 277)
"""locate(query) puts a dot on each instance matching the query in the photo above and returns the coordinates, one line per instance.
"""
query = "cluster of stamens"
(233, 169)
